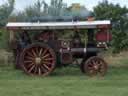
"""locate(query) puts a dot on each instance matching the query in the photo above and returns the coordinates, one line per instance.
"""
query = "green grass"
(64, 82)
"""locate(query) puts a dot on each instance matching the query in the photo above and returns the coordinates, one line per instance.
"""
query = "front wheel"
(38, 59)
(95, 66)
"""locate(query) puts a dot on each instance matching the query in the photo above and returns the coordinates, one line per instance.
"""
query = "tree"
(41, 9)
(118, 16)
(34, 10)
(5, 11)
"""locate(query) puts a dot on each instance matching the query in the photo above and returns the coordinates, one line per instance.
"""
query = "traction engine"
(44, 50)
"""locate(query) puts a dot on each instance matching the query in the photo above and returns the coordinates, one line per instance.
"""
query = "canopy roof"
(56, 25)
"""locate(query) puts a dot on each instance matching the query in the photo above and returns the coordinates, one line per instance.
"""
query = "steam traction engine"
(39, 49)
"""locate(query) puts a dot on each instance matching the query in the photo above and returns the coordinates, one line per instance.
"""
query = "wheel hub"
(96, 67)
(38, 60)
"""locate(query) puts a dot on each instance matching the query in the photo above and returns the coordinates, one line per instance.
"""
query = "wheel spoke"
(29, 54)
(48, 59)
(100, 63)
(29, 65)
(45, 56)
(102, 68)
(30, 58)
(35, 69)
(44, 52)
(31, 68)
(37, 52)
(27, 61)
(94, 63)
(47, 63)
(43, 69)
(39, 71)
(40, 52)
(46, 67)
(33, 52)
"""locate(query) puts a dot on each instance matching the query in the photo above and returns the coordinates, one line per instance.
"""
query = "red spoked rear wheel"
(38, 59)
(95, 66)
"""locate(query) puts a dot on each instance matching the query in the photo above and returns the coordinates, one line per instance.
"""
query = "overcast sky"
(21, 4)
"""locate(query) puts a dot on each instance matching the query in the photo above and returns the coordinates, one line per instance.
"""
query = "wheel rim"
(95, 66)
(38, 60)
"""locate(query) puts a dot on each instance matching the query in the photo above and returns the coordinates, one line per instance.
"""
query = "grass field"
(67, 82)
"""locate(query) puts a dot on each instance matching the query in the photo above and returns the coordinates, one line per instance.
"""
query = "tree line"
(104, 10)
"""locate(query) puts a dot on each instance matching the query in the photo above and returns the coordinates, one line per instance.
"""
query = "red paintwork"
(103, 36)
